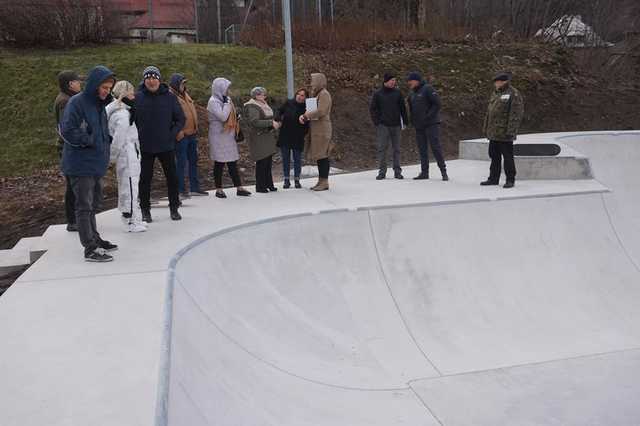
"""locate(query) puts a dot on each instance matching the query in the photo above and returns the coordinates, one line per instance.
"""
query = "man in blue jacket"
(160, 119)
(424, 105)
(85, 157)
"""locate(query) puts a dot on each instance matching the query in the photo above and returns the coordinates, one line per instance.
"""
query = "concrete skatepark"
(376, 303)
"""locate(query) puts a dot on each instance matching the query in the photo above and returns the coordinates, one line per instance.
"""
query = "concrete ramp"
(521, 311)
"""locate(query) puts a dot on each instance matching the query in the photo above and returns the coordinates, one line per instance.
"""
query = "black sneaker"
(445, 176)
(509, 185)
(72, 227)
(175, 215)
(287, 184)
(146, 216)
(398, 175)
(243, 193)
(262, 191)
(422, 176)
(297, 184)
(380, 177)
(107, 246)
(97, 256)
(221, 194)
(489, 183)
(273, 189)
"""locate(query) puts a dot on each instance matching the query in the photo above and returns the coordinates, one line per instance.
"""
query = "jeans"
(69, 203)
(426, 137)
(264, 176)
(218, 168)
(384, 136)
(497, 151)
(168, 161)
(285, 151)
(324, 166)
(187, 153)
(88, 194)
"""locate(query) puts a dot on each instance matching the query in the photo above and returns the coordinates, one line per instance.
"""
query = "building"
(572, 31)
(160, 21)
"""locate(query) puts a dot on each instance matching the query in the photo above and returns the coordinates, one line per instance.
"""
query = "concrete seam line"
(426, 406)
(530, 364)
(383, 274)
(424, 204)
(543, 196)
(164, 365)
(273, 365)
(78, 277)
(617, 234)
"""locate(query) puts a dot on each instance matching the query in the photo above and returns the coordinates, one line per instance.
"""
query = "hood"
(318, 82)
(96, 76)
(175, 81)
(219, 87)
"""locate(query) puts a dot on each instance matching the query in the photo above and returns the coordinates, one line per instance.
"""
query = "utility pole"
(319, 13)
(331, 3)
(219, 22)
(286, 18)
(195, 18)
(150, 12)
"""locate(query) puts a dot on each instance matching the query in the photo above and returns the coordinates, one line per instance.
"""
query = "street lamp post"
(286, 18)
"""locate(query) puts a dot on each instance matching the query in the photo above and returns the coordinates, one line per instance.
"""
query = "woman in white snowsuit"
(125, 153)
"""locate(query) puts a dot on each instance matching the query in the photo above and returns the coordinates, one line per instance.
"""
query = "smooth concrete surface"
(349, 307)
(569, 164)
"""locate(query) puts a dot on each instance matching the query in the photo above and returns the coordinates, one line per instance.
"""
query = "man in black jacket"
(159, 118)
(424, 105)
(389, 115)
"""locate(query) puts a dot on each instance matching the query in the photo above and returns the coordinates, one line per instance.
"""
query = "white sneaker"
(137, 227)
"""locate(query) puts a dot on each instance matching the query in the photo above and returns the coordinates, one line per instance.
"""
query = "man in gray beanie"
(160, 119)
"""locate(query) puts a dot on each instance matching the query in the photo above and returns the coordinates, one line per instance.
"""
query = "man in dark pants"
(160, 119)
(501, 125)
(389, 114)
(85, 157)
(424, 105)
(70, 85)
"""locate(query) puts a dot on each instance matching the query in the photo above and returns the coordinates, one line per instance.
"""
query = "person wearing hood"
(258, 116)
(85, 157)
(501, 126)
(160, 120)
(187, 145)
(70, 85)
(292, 135)
(224, 129)
(389, 115)
(424, 106)
(125, 153)
(321, 130)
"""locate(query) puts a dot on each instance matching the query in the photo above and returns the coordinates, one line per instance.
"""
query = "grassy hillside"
(27, 133)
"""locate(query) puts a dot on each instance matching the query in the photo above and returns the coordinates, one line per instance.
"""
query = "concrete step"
(569, 164)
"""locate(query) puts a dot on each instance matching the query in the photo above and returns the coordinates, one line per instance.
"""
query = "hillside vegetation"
(27, 133)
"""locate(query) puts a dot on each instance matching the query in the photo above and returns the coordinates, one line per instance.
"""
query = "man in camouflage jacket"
(501, 125)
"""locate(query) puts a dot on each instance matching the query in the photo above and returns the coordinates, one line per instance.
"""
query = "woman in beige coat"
(320, 145)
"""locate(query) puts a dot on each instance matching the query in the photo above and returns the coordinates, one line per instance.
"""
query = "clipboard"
(311, 104)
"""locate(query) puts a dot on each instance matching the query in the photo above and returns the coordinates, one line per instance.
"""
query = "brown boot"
(323, 185)
(313, 188)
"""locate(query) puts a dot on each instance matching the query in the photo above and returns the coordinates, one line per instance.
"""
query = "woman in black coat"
(292, 134)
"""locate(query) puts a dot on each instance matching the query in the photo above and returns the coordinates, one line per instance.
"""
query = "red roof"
(168, 14)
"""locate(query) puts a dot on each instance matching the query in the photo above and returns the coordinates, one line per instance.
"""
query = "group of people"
(114, 122)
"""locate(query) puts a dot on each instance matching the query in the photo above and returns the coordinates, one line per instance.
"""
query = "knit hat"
(388, 76)
(151, 72)
(415, 76)
(502, 76)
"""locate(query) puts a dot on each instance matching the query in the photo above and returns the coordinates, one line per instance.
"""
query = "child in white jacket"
(125, 153)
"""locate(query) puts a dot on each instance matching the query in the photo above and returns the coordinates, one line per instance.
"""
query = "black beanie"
(416, 76)
(388, 76)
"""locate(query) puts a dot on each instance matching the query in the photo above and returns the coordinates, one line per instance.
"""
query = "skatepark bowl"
(519, 311)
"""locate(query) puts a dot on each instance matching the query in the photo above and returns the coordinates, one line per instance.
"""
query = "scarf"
(132, 109)
(263, 106)
(232, 123)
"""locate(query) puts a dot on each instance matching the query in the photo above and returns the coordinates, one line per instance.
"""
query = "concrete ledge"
(569, 164)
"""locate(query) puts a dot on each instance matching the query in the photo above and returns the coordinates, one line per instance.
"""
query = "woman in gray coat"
(258, 117)
(223, 129)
